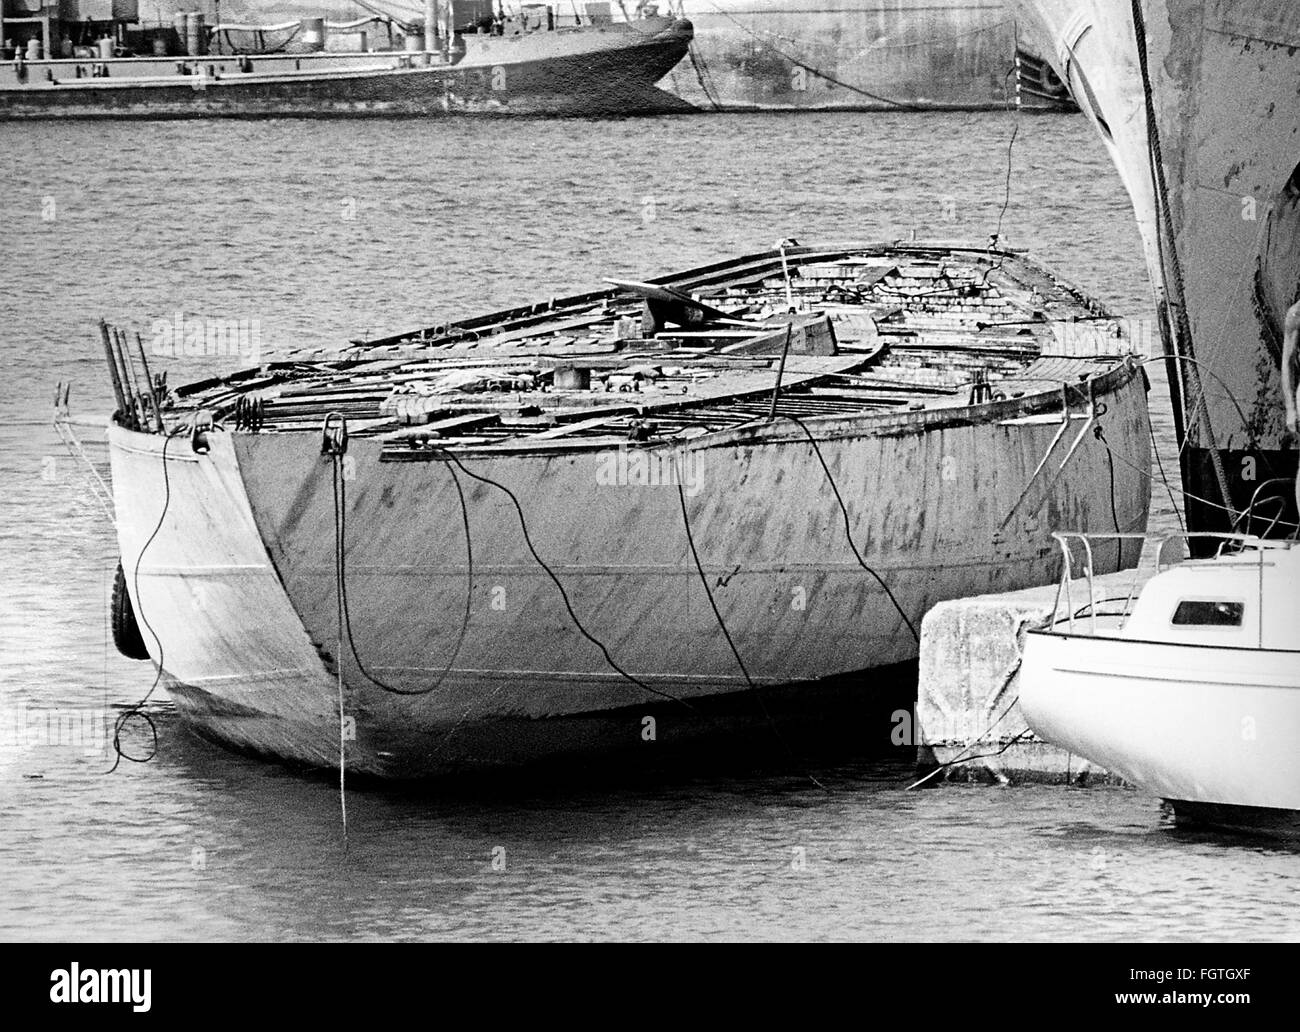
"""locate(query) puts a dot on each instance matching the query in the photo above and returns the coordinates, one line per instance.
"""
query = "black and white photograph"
(651, 471)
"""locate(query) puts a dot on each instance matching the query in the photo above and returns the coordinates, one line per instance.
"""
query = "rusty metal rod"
(780, 370)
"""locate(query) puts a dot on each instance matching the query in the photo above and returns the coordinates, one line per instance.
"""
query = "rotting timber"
(510, 537)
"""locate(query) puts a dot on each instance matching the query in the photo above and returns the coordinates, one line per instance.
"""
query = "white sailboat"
(1192, 691)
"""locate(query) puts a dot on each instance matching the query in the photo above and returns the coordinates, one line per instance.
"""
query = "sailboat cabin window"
(1206, 613)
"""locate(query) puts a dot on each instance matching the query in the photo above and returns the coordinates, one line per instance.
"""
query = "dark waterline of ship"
(307, 234)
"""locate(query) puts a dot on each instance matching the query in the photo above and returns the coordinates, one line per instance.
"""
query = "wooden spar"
(112, 368)
(780, 369)
(132, 381)
(153, 389)
(128, 410)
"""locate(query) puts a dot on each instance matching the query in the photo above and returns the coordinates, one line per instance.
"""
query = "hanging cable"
(577, 623)
(1100, 435)
(338, 670)
(1015, 131)
(559, 586)
(722, 626)
(848, 531)
(960, 758)
(340, 559)
(1164, 479)
(1184, 493)
(137, 711)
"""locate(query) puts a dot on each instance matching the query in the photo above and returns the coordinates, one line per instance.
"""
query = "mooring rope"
(338, 661)
(137, 711)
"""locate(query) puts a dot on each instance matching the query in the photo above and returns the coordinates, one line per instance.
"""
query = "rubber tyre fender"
(126, 632)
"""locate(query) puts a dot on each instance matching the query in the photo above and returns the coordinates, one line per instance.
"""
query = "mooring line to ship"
(1015, 131)
(335, 444)
(1100, 434)
(1187, 494)
(137, 710)
(1164, 478)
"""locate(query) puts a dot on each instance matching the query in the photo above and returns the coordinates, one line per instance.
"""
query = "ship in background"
(1198, 103)
(861, 55)
(96, 59)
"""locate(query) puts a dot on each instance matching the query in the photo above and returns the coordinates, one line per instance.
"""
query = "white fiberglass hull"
(1208, 728)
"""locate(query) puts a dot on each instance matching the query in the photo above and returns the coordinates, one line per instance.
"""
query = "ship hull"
(237, 588)
(576, 73)
(865, 55)
(1214, 179)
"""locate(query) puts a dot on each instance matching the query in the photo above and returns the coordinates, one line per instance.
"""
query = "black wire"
(848, 531)
(1164, 479)
(1092, 607)
(722, 626)
(137, 711)
(976, 756)
(1015, 131)
(523, 526)
(341, 584)
(564, 595)
(1006, 203)
(1100, 435)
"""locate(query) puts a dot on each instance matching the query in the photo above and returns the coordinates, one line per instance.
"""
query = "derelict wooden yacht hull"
(235, 592)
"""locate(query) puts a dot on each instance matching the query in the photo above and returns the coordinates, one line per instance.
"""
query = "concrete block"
(968, 683)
